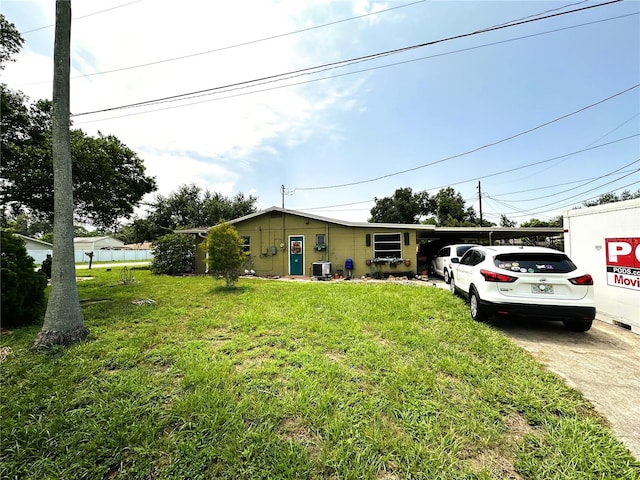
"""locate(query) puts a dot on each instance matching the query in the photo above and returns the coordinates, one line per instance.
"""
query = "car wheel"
(446, 277)
(577, 325)
(452, 286)
(474, 307)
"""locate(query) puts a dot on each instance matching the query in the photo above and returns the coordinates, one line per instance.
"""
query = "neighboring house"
(285, 242)
(90, 244)
(138, 246)
(36, 249)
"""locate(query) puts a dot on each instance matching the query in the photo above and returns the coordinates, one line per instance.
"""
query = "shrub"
(173, 254)
(23, 289)
(225, 257)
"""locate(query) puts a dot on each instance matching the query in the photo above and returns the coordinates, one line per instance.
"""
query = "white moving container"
(605, 241)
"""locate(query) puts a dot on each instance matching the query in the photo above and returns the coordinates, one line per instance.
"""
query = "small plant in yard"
(126, 276)
(290, 380)
(224, 255)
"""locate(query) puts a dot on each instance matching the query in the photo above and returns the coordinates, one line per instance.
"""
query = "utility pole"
(480, 199)
(282, 192)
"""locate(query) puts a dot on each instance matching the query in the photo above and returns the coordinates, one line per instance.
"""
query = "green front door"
(296, 255)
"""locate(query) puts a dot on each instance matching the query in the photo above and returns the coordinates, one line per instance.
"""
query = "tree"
(25, 224)
(173, 254)
(23, 299)
(225, 257)
(10, 41)
(188, 207)
(63, 320)
(612, 197)
(534, 222)
(451, 211)
(403, 207)
(108, 177)
(505, 222)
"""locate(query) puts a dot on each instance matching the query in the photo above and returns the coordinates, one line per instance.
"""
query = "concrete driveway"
(603, 363)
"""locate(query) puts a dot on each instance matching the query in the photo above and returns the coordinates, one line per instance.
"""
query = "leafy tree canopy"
(534, 222)
(108, 177)
(404, 206)
(506, 222)
(446, 209)
(10, 41)
(450, 209)
(189, 206)
(612, 197)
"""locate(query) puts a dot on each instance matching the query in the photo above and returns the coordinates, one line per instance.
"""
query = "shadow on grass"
(233, 290)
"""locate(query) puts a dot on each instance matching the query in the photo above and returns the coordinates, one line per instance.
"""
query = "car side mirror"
(455, 260)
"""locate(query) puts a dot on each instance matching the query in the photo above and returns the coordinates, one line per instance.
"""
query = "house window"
(320, 242)
(387, 245)
(245, 244)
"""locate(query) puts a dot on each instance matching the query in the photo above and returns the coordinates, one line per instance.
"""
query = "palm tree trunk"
(63, 321)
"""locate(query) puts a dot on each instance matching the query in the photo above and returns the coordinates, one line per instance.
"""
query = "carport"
(431, 240)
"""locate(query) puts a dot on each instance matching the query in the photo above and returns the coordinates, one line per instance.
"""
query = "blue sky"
(438, 113)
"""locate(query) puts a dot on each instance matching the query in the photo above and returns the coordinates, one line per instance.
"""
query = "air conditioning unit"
(321, 270)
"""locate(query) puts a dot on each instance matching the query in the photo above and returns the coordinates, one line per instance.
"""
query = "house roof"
(31, 239)
(423, 232)
(138, 246)
(93, 239)
(311, 216)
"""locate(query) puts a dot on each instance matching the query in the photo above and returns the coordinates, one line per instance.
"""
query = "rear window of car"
(535, 262)
(462, 250)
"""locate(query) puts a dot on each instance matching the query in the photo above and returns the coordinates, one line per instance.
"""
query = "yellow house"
(284, 242)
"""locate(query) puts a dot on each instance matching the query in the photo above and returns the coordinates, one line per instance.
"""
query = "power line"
(468, 152)
(554, 186)
(495, 174)
(363, 58)
(541, 212)
(548, 11)
(78, 18)
(228, 47)
(579, 186)
(334, 76)
(565, 200)
(595, 141)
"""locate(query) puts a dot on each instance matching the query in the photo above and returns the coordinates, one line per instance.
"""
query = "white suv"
(441, 263)
(524, 281)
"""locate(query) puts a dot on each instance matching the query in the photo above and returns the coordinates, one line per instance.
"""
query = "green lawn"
(290, 380)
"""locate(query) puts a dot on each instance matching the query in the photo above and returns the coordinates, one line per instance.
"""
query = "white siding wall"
(586, 233)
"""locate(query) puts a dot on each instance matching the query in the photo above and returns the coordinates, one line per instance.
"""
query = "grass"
(290, 380)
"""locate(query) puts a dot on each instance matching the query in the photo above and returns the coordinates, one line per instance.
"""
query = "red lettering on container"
(623, 252)
(628, 282)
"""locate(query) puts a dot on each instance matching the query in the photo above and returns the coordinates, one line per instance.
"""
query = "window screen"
(387, 245)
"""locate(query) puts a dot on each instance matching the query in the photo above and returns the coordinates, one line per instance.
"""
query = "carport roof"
(423, 232)
(490, 233)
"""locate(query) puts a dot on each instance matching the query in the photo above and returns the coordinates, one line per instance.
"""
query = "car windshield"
(460, 251)
(535, 262)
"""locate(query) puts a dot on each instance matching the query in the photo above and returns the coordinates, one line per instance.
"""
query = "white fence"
(98, 255)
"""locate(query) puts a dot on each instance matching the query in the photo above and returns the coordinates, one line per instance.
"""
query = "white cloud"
(214, 141)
